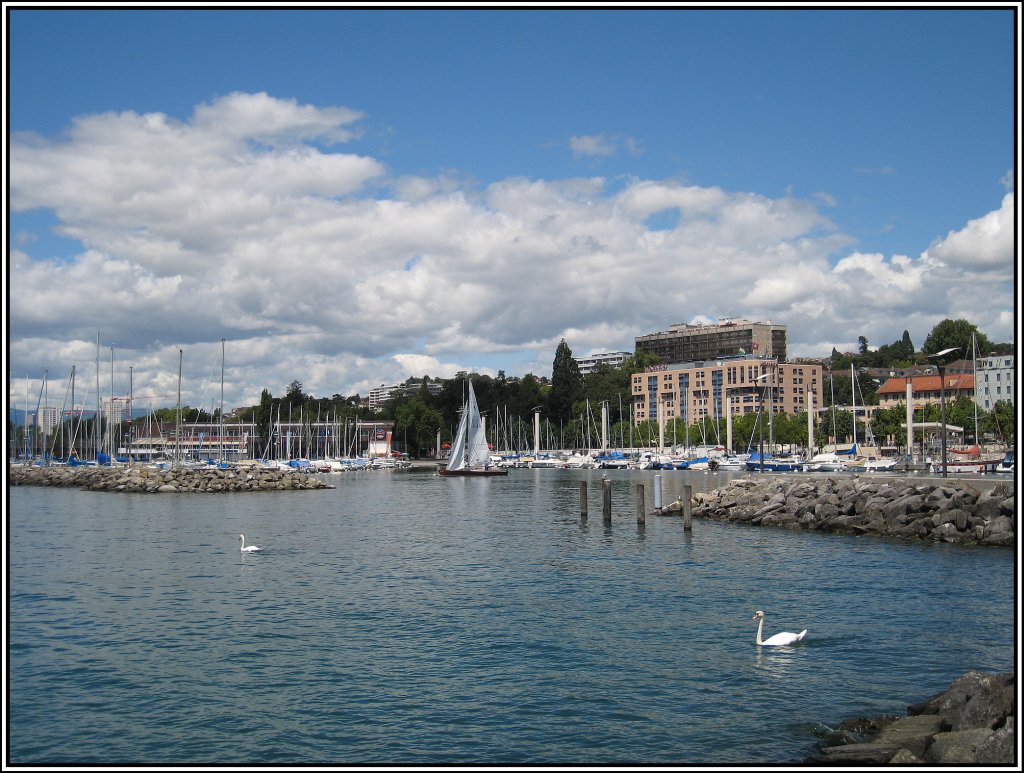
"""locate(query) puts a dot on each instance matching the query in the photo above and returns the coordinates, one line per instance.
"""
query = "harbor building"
(693, 390)
(994, 380)
(925, 390)
(612, 359)
(729, 338)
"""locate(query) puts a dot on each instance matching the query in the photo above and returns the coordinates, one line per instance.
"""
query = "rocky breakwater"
(146, 480)
(971, 723)
(946, 510)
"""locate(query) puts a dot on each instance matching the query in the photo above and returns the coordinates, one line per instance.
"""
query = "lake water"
(403, 618)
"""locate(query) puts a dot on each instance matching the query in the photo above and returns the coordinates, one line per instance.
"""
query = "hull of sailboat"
(968, 465)
(470, 472)
(773, 466)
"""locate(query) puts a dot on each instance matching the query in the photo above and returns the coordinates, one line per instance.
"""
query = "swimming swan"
(778, 639)
(247, 548)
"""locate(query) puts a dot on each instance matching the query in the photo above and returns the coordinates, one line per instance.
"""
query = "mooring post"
(607, 502)
(657, 492)
(583, 499)
(687, 507)
(641, 517)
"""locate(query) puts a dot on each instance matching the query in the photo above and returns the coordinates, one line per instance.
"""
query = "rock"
(972, 722)
(948, 512)
(905, 757)
(856, 754)
(959, 747)
(978, 699)
(913, 734)
(999, 747)
(143, 480)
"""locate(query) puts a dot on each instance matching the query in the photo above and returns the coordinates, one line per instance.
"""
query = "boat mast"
(96, 437)
(221, 430)
(853, 392)
(111, 428)
(131, 394)
(177, 433)
(974, 370)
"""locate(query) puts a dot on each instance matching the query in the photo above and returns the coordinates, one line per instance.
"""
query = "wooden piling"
(607, 508)
(641, 516)
(583, 500)
(687, 507)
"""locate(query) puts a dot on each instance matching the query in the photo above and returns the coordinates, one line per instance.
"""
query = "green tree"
(566, 384)
(417, 424)
(1000, 422)
(955, 333)
(262, 416)
(886, 425)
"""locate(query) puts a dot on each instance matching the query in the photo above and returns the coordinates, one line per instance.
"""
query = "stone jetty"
(971, 723)
(942, 510)
(149, 480)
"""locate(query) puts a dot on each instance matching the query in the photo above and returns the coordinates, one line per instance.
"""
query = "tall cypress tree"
(566, 384)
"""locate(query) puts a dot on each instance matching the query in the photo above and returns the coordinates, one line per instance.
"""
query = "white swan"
(247, 548)
(778, 639)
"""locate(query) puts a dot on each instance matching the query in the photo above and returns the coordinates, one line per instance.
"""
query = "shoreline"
(939, 510)
(147, 480)
(973, 722)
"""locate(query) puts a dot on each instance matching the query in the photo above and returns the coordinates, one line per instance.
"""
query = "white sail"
(478, 451)
(457, 460)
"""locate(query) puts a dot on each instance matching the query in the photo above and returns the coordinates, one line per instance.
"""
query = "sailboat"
(470, 455)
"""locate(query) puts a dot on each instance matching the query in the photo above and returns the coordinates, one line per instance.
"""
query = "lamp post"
(942, 397)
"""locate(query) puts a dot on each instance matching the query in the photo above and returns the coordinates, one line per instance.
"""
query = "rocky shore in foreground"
(943, 510)
(971, 723)
(147, 480)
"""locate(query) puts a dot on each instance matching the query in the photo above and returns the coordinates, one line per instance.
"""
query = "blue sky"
(603, 163)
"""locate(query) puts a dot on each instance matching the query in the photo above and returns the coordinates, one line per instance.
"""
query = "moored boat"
(1007, 465)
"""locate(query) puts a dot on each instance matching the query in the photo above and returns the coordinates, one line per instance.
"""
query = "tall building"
(729, 338)
(590, 362)
(115, 409)
(46, 419)
(694, 390)
(994, 380)
(382, 394)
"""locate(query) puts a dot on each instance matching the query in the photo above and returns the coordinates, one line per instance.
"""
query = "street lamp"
(942, 396)
(760, 423)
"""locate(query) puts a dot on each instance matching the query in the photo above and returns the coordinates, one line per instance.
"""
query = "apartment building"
(729, 338)
(694, 390)
(994, 380)
(611, 359)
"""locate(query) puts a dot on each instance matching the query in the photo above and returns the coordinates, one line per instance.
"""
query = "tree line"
(570, 402)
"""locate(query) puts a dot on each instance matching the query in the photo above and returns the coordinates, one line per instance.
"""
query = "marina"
(399, 617)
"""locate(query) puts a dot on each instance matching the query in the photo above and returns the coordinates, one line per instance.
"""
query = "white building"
(380, 395)
(115, 410)
(48, 418)
(993, 380)
(611, 359)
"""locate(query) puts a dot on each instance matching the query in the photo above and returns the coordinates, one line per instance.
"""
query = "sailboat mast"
(131, 395)
(221, 429)
(96, 437)
(974, 370)
(853, 391)
(177, 433)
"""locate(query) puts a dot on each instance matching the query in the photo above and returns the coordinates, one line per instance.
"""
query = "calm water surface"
(406, 618)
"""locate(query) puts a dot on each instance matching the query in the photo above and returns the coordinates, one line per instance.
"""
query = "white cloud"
(597, 145)
(984, 244)
(237, 224)
(591, 145)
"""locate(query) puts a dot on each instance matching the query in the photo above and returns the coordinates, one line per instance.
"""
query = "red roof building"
(925, 390)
